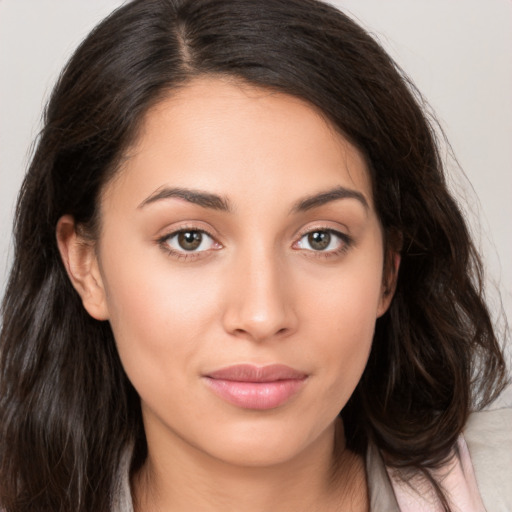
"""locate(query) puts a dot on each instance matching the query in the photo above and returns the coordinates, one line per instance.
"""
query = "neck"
(326, 477)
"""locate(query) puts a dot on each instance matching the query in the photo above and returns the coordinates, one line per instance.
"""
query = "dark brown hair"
(67, 409)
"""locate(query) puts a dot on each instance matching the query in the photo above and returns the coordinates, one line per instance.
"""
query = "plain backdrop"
(459, 54)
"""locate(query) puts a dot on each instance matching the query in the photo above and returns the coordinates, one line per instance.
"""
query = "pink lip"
(253, 387)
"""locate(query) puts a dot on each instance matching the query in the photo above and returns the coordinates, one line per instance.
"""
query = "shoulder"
(488, 435)
(478, 478)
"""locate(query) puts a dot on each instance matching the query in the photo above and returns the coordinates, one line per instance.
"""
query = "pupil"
(319, 240)
(190, 240)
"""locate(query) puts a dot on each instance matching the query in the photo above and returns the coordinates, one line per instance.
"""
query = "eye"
(324, 240)
(189, 240)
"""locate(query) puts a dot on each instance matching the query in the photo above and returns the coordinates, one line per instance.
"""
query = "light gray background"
(457, 53)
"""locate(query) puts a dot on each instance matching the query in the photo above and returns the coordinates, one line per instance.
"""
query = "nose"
(260, 301)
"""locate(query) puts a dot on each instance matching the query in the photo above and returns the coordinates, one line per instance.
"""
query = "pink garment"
(457, 479)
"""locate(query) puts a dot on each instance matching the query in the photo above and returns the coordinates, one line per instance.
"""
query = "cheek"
(153, 312)
(343, 317)
(345, 348)
(347, 302)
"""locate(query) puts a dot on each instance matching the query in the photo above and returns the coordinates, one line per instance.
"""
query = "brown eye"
(190, 240)
(319, 240)
(327, 241)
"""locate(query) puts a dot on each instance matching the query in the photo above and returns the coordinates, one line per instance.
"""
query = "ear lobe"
(389, 283)
(81, 263)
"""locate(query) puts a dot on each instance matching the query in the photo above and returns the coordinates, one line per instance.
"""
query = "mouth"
(256, 387)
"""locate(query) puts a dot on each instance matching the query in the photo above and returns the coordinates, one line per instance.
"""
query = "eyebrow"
(334, 194)
(204, 199)
(216, 202)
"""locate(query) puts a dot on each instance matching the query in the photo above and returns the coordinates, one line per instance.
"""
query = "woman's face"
(241, 230)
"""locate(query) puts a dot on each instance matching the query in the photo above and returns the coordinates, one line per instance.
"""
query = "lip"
(256, 387)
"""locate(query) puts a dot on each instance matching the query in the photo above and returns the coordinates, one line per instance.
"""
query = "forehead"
(229, 137)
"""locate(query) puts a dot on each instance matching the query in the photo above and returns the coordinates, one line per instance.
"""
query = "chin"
(258, 445)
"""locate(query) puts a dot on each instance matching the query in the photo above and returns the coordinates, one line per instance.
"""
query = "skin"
(256, 291)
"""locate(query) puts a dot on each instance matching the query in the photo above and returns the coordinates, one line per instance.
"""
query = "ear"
(80, 260)
(389, 281)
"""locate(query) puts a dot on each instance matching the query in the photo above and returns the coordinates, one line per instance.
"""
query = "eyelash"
(346, 243)
(345, 240)
(163, 242)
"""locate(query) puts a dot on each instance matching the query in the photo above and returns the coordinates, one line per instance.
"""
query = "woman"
(243, 229)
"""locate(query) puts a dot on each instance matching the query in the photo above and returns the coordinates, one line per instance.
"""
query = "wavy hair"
(67, 409)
